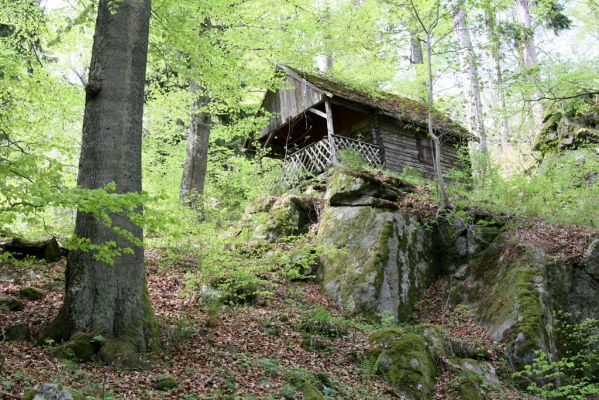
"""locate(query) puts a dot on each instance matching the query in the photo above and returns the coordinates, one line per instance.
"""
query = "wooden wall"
(292, 99)
(400, 145)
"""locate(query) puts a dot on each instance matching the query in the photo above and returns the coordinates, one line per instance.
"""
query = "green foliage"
(351, 159)
(574, 373)
(559, 191)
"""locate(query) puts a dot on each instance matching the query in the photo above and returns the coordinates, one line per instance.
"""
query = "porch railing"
(313, 159)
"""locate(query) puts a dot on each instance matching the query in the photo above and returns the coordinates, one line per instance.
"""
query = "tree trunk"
(529, 48)
(468, 61)
(530, 57)
(324, 62)
(416, 56)
(496, 56)
(196, 159)
(102, 299)
(431, 132)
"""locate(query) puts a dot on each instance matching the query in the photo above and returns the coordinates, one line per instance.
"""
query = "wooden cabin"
(314, 119)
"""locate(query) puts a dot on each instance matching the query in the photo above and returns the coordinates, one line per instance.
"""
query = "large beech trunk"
(198, 139)
(496, 56)
(469, 65)
(102, 299)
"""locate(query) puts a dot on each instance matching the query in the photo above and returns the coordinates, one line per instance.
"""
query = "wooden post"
(331, 131)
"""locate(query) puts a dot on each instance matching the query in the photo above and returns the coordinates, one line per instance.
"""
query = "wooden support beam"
(318, 112)
(331, 131)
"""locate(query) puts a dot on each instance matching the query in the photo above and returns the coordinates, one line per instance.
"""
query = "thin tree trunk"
(496, 56)
(111, 300)
(530, 56)
(469, 64)
(416, 55)
(431, 132)
(529, 48)
(196, 160)
(324, 62)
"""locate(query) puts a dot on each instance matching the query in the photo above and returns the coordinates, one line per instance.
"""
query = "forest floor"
(236, 352)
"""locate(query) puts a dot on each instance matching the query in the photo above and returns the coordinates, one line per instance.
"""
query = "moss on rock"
(8, 303)
(406, 362)
(288, 215)
(120, 353)
(31, 293)
(16, 332)
(377, 262)
(310, 393)
(165, 382)
(53, 391)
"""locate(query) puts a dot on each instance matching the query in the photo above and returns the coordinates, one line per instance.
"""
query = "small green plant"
(574, 373)
(351, 159)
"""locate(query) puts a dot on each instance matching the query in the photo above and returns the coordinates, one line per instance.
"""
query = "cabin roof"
(407, 110)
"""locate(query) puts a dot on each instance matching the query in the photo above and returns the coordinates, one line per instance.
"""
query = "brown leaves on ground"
(210, 355)
(565, 242)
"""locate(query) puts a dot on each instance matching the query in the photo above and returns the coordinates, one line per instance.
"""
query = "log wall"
(400, 145)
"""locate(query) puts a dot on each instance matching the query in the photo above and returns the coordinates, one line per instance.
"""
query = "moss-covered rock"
(591, 260)
(406, 362)
(16, 332)
(120, 353)
(310, 393)
(8, 303)
(569, 126)
(289, 215)
(52, 391)
(165, 382)
(377, 262)
(31, 293)
(79, 347)
(347, 187)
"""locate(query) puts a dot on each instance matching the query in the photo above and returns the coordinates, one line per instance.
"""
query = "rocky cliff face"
(381, 257)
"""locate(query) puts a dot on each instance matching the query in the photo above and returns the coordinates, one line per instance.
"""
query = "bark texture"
(416, 55)
(196, 159)
(102, 299)
(530, 56)
(469, 65)
(495, 50)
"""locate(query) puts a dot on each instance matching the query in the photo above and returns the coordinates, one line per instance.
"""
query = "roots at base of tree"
(121, 352)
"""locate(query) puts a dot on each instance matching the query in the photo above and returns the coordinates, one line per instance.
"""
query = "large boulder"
(378, 262)
(412, 358)
(346, 187)
(517, 287)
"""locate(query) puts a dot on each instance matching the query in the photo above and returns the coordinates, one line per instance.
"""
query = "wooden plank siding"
(401, 148)
(294, 98)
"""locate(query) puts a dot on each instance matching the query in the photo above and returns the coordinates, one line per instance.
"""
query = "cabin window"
(425, 151)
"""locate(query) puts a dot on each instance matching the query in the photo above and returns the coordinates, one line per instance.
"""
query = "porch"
(312, 160)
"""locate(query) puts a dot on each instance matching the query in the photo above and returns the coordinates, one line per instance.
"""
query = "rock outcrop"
(381, 256)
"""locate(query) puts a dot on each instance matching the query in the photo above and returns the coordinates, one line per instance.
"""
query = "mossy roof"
(405, 109)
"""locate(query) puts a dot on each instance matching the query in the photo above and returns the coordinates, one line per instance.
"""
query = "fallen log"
(47, 249)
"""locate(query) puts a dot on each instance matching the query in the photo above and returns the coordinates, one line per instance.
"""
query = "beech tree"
(198, 140)
(103, 299)
(469, 65)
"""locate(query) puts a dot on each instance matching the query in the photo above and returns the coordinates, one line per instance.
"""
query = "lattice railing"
(313, 159)
(370, 153)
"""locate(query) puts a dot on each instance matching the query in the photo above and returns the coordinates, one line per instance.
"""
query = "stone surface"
(287, 215)
(377, 262)
(347, 187)
(52, 391)
(406, 362)
(591, 260)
